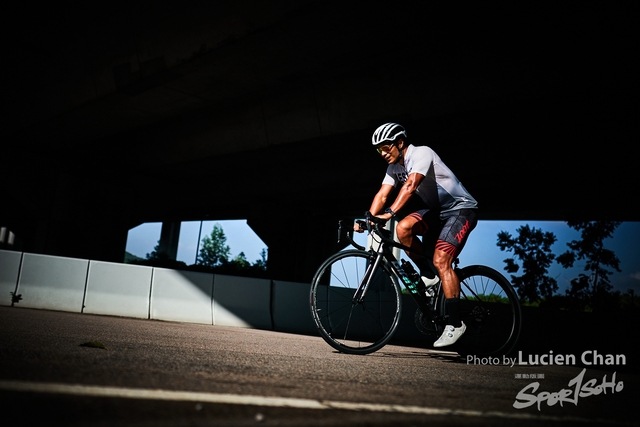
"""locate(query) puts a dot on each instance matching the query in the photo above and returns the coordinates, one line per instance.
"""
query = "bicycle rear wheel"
(490, 309)
(348, 324)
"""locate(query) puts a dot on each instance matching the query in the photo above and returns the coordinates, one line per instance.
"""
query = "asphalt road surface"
(76, 369)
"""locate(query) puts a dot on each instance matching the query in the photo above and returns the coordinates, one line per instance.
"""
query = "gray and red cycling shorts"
(446, 232)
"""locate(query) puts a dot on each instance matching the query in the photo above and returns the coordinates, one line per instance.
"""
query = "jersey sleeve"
(421, 161)
(390, 177)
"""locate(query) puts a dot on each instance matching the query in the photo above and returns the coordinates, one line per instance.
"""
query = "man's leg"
(407, 230)
(451, 287)
(452, 239)
(450, 282)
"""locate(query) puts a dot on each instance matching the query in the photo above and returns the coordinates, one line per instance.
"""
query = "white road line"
(235, 399)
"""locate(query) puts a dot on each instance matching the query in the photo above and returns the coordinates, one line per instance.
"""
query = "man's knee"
(442, 261)
(403, 229)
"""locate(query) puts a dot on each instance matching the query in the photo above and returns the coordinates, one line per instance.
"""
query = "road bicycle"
(356, 299)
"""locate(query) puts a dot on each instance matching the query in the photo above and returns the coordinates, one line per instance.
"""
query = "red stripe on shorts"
(447, 247)
(424, 227)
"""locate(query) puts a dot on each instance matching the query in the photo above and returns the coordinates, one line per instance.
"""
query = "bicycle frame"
(384, 252)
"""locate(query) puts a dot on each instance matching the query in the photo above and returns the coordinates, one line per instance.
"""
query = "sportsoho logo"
(577, 388)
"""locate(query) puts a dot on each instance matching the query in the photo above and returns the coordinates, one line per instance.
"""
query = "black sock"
(452, 308)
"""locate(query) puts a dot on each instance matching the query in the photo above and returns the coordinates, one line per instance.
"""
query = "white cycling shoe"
(450, 335)
(429, 285)
(429, 282)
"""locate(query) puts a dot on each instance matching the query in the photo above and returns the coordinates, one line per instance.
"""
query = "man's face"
(391, 153)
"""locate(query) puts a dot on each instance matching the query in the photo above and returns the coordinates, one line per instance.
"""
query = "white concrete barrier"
(95, 287)
(53, 283)
(242, 301)
(291, 308)
(182, 296)
(118, 289)
(9, 271)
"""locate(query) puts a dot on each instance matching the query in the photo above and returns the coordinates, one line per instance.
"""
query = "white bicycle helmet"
(387, 134)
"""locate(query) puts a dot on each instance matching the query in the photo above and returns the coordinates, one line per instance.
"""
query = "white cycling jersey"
(441, 191)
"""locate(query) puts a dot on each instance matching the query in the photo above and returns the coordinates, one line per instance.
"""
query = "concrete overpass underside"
(174, 111)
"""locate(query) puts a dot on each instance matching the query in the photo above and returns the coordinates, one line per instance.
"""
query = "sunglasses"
(385, 148)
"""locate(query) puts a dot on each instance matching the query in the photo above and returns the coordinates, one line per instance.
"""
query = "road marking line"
(282, 402)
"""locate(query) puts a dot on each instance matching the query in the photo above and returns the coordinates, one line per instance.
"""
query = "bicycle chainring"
(425, 325)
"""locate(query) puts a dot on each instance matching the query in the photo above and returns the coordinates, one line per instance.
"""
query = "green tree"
(214, 250)
(158, 258)
(261, 264)
(156, 255)
(588, 289)
(532, 247)
(240, 262)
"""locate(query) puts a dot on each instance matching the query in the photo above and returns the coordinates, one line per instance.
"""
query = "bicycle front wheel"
(490, 309)
(347, 320)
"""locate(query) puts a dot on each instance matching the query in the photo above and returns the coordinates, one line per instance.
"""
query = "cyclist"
(431, 203)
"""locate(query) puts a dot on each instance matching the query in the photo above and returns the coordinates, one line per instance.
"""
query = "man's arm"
(380, 199)
(408, 189)
(378, 204)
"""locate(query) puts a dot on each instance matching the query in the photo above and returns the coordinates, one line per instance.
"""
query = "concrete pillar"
(297, 245)
(169, 236)
(7, 238)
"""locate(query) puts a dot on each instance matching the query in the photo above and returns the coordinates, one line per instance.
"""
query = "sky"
(481, 247)
(240, 238)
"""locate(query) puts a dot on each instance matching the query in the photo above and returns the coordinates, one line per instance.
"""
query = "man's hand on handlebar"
(360, 225)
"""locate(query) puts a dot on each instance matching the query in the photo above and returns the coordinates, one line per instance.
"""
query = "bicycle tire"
(490, 309)
(355, 328)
